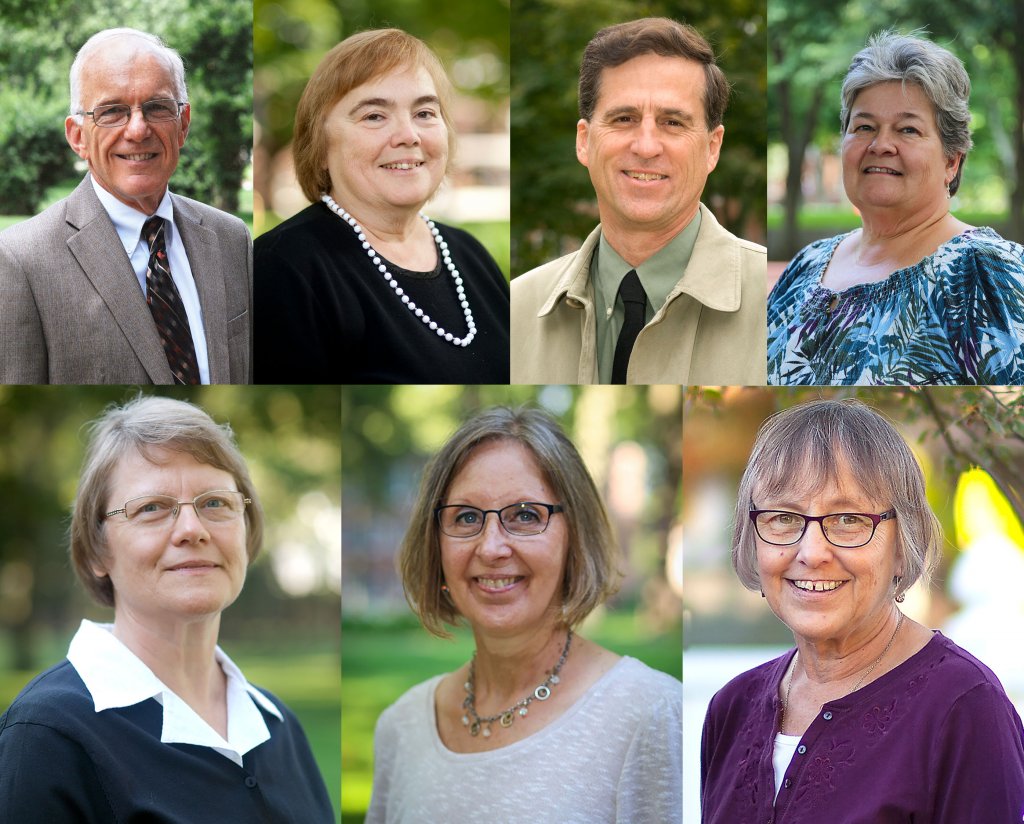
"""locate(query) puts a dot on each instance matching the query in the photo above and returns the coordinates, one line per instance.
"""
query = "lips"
(402, 165)
(816, 586)
(881, 170)
(188, 565)
(497, 583)
(643, 176)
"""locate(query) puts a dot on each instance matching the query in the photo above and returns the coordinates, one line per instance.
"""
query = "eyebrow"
(899, 116)
(386, 102)
(677, 114)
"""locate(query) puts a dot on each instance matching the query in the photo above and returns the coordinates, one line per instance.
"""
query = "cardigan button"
(787, 783)
(827, 715)
(801, 749)
(250, 781)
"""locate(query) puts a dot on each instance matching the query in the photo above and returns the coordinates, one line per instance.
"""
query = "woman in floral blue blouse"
(915, 296)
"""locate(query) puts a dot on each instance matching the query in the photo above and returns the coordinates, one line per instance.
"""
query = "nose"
(883, 142)
(647, 141)
(405, 132)
(493, 540)
(814, 548)
(137, 127)
(188, 527)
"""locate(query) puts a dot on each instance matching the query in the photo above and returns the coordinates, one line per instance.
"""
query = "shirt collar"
(128, 221)
(659, 274)
(116, 677)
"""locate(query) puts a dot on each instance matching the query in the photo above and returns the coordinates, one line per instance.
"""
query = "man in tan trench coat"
(659, 292)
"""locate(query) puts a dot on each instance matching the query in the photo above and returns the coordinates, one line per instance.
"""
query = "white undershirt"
(116, 677)
(785, 749)
(128, 224)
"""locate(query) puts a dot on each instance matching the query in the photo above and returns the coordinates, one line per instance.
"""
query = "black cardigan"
(324, 314)
(62, 762)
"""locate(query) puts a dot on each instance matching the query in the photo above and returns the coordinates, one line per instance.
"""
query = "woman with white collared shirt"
(148, 719)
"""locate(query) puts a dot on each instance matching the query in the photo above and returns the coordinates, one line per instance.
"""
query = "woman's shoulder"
(632, 674)
(465, 245)
(806, 266)
(981, 252)
(759, 683)
(956, 670)
(55, 693)
(409, 706)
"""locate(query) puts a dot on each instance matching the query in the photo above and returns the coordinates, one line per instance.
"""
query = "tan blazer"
(71, 310)
(711, 329)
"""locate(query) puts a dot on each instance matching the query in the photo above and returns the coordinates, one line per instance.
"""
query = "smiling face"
(134, 161)
(647, 145)
(892, 153)
(825, 593)
(181, 570)
(387, 144)
(505, 584)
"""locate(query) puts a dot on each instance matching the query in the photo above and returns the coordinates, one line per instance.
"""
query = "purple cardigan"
(934, 741)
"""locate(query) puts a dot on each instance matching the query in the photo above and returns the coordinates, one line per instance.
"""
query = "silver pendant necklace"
(478, 725)
(442, 248)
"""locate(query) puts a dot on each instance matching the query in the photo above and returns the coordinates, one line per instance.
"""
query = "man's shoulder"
(207, 215)
(37, 229)
(538, 283)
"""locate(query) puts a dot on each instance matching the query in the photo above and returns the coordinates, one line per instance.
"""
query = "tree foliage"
(552, 197)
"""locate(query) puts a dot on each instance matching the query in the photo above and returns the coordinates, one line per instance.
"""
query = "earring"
(896, 585)
(949, 194)
(762, 593)
(445, 590)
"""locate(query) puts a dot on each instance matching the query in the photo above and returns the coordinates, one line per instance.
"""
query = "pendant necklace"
(378, 262)
(482, 726)
(878, 660)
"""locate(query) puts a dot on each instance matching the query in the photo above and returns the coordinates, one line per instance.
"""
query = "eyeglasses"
(154, 111)
(524, 518)
(216, 507)
(842, 529)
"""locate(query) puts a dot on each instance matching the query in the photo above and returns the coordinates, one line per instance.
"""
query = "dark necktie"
(634, 301)
(167, 308)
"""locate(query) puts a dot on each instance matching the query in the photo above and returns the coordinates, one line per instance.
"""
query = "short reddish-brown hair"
(356, 60)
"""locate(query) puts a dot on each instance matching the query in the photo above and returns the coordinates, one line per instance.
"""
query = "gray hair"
(802, 448)
(938, 72)
(140, 426)
(150, 42)
(591, 575)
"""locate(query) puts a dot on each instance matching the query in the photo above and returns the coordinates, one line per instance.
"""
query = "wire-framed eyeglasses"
(842, 529)
(154, 111)
(216, 507)
(523, 518)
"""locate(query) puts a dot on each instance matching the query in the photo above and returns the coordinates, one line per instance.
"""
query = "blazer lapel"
(204, 257)
(99, 252)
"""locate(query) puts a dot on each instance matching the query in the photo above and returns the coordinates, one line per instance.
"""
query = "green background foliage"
(553, 205)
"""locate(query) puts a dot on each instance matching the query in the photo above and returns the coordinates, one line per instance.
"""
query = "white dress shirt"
(115, 677)
(128, 222)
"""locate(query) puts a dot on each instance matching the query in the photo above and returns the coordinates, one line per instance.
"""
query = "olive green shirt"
(658, 275)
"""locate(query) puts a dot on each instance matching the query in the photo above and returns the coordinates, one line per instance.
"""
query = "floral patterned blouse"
(956, 317)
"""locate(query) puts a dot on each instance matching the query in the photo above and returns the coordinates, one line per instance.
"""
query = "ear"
(186, 119)
(582, 133)
(75, 134)
(715, 146)
(953, 166)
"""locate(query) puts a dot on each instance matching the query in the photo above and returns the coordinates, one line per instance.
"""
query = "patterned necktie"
(167, 308)
(634, 301)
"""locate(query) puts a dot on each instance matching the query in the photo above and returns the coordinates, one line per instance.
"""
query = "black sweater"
(324, 313)
(62, 762)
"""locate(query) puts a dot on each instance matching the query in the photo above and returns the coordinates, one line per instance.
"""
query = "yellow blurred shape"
(981, 509)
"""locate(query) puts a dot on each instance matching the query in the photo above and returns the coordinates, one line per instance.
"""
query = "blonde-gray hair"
(139, 427)
(591, 575)
(802, 448)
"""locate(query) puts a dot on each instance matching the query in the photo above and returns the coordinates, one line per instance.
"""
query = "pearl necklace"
(878, 660)
(476, 724)
(390, 279)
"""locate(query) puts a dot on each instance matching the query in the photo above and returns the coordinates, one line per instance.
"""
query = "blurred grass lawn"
(307, 680)
(832, 219)
(380, 663)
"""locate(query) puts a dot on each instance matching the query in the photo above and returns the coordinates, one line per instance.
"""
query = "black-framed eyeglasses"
(523, 518)
(842, 529)
(215, 507)
(154, 111)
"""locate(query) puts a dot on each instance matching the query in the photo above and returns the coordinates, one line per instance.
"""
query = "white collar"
(129, 221)
(116, 677)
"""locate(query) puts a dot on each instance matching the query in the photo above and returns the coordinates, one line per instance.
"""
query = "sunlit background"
(283, 629)
(975, 598)
(629, 438)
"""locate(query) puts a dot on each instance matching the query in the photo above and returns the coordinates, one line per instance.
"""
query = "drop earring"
(902, 596)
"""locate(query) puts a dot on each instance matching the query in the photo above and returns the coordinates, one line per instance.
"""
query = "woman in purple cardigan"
(873, 718)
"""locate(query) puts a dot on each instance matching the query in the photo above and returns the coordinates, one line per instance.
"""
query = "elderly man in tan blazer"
(122, 281)
(659, 292)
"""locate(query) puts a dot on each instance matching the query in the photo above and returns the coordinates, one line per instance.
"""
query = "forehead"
(125, 69)
(138, 472)
(892, 98)
(399, 84)
(824, 479)
(499, 467)
(650, 78)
